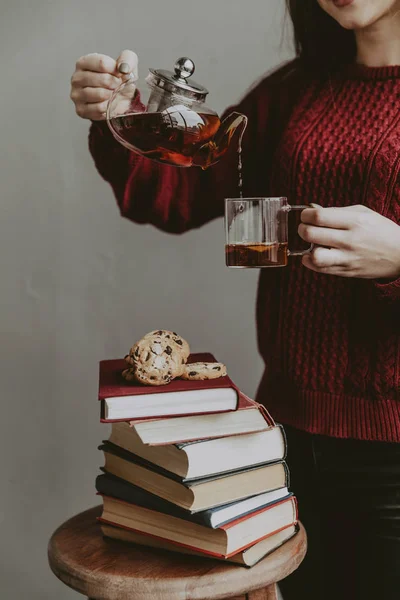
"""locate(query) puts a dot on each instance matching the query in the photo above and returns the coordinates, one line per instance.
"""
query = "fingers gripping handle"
(311, 247)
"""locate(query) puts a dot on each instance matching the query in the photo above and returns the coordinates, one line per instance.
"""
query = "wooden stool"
(110, 570)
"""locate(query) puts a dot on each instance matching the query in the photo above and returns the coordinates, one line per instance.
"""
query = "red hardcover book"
(250, 417)
(124, 401)
(224, 541)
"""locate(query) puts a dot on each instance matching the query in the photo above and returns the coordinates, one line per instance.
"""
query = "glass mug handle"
(289, 208)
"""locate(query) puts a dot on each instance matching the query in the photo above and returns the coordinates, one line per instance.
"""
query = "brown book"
(123, 401)
(225, 541)
(248, 418)
(246, 558)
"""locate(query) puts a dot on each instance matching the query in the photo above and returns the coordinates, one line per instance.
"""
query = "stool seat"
(106, 569)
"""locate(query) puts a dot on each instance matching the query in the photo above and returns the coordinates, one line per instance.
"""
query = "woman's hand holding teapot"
(95, 78)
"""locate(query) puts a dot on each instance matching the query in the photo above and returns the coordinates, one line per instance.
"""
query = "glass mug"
(256, 231)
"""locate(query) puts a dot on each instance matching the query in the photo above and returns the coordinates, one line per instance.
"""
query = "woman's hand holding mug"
(353, 241)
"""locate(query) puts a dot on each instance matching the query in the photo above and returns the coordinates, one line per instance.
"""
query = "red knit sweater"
(331, 345)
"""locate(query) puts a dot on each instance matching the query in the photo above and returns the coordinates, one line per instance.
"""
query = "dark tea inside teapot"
(166, 119)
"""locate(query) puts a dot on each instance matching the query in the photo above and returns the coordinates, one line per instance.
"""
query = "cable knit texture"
(331, 345)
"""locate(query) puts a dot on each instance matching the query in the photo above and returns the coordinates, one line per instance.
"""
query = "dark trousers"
(349, 502)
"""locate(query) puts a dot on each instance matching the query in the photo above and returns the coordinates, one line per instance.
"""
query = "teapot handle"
(123, 100)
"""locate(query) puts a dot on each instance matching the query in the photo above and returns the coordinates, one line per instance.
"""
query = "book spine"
(283, 433)
(287, 474)
(296, 509)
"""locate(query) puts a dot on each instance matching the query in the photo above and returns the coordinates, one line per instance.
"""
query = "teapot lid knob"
(178, 82)
(184, 68)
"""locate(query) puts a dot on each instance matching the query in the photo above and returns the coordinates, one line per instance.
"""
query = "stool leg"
(268, 593)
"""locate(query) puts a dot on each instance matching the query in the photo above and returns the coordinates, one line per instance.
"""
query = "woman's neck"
(379, 44)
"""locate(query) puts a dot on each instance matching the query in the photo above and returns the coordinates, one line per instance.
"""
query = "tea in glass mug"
(256, 232)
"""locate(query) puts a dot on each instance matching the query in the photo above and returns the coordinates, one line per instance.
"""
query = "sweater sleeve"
(386, 288)
(179, 199)
(389, 289)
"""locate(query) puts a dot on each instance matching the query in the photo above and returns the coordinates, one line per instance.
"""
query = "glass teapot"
(166, 119)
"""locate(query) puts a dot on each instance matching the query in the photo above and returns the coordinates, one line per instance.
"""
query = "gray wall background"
(78, 283)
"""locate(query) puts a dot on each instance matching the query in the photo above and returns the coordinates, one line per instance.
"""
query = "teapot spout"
(212, 152)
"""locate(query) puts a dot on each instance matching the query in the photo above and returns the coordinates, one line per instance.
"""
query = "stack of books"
(193, 466)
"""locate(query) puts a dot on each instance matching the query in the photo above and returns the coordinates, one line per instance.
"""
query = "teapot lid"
(177, 82)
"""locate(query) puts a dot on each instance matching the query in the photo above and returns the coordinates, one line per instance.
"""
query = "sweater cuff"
(100, 129)
(388, 289)
(103, 145)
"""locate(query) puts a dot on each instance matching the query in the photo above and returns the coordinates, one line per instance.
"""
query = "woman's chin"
(353, 24)
(356, 17)
(356, 24)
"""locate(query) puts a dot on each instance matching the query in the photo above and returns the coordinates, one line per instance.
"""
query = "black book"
(115, 487)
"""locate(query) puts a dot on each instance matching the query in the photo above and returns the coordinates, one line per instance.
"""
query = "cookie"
(202, 370)
(156, 352)
(154, 361)
(175, 340)
(147, 377)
